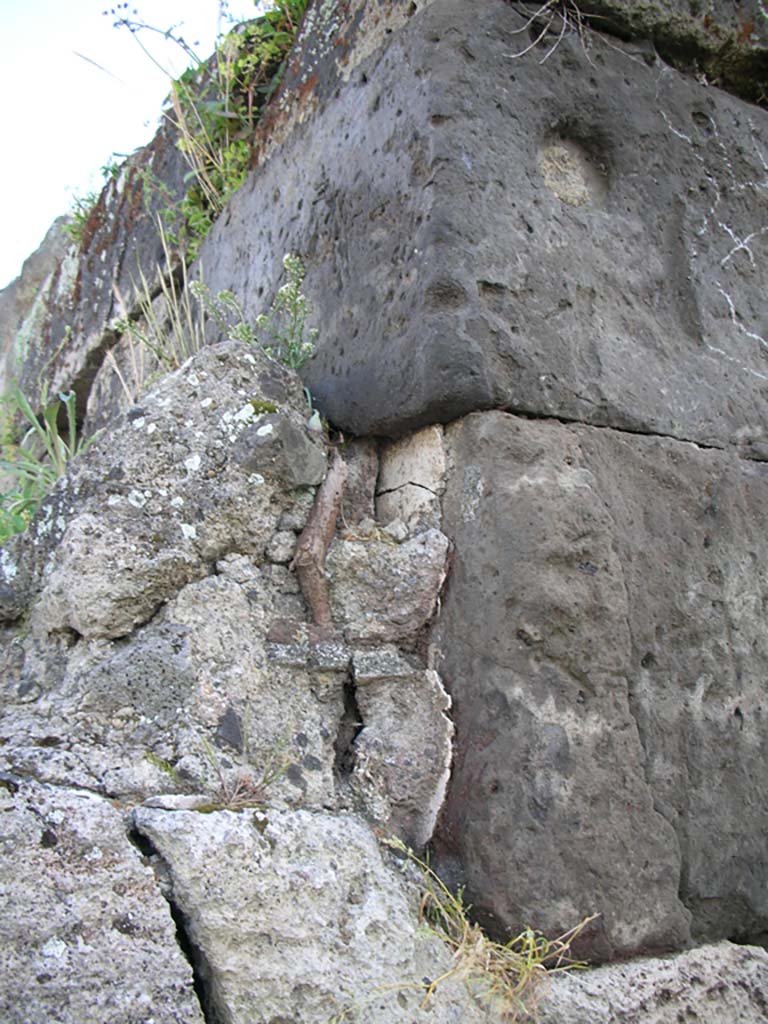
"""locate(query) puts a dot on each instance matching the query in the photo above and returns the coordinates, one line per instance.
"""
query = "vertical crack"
(201, 970)
(351, 724)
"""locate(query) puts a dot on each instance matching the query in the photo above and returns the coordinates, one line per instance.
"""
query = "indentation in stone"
(571, 173)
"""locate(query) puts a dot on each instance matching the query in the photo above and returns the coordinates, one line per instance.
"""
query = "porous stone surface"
(603, 640)
(156, 647)
(412, 479)
(85, 933)
(719, 983)
(581, 237)
(402, 752)
(723, 42)
(314, 887)
(382, 590)
(157, 499)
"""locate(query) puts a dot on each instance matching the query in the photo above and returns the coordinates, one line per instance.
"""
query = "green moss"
(259, 406)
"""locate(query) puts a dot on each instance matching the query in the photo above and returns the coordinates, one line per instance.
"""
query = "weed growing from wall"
(282, 332)
(31, 465)
(167, 322)
(215, 105)
(507, 979)
(84, 205)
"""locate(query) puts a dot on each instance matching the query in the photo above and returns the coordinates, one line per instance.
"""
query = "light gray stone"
(86, 934)
(412, 478)
(379, 664)
(385, 591)
(154, 501)
(402, 754)
(314, 888)
(719, 984)
(281, 547)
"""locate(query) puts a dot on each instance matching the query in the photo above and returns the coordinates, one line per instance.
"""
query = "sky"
(74, 90)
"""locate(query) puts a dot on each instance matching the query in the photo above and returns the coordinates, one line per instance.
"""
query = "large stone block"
(604, 643)
(295, 916)
(65, 336)
(719, 984)
(582, 237)
(86, 933)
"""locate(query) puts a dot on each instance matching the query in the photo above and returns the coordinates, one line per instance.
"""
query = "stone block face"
(383, 591)
(19, 297)
(580, 238)
(313, 887)
(86, 933)
(603, 642)
(724, 41)
(64, 339)
(412, 478)
(718, 983)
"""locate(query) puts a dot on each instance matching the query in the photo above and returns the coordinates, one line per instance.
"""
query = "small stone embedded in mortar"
(571, 173)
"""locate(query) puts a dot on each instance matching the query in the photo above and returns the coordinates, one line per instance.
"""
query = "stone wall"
(539, 280)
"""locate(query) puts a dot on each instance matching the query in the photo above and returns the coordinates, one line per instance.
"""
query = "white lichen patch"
(7, 565)
(137, 499)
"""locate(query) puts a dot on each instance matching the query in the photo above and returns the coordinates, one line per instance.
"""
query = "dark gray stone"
(603, 637)
(279, 447)
(582, 238)
(723, 41)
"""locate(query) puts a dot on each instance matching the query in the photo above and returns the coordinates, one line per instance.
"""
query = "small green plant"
(505, 978)
(167, 322)
(282, 332)
(80, 212)
(240, 789)
(165, 767)
(84, 205)
(215, 105)
(30, 466)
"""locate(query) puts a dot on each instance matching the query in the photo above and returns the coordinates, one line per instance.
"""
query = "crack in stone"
(201, 970)
(351, 724)
(635, 431)
(408, 483)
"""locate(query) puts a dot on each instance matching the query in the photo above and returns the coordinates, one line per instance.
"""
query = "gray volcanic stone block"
(18, 298)
(296, 916)
(85, 933)
(66, 337)
(721, 984)
(582, 238)
(603, 639)
(724, 41)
